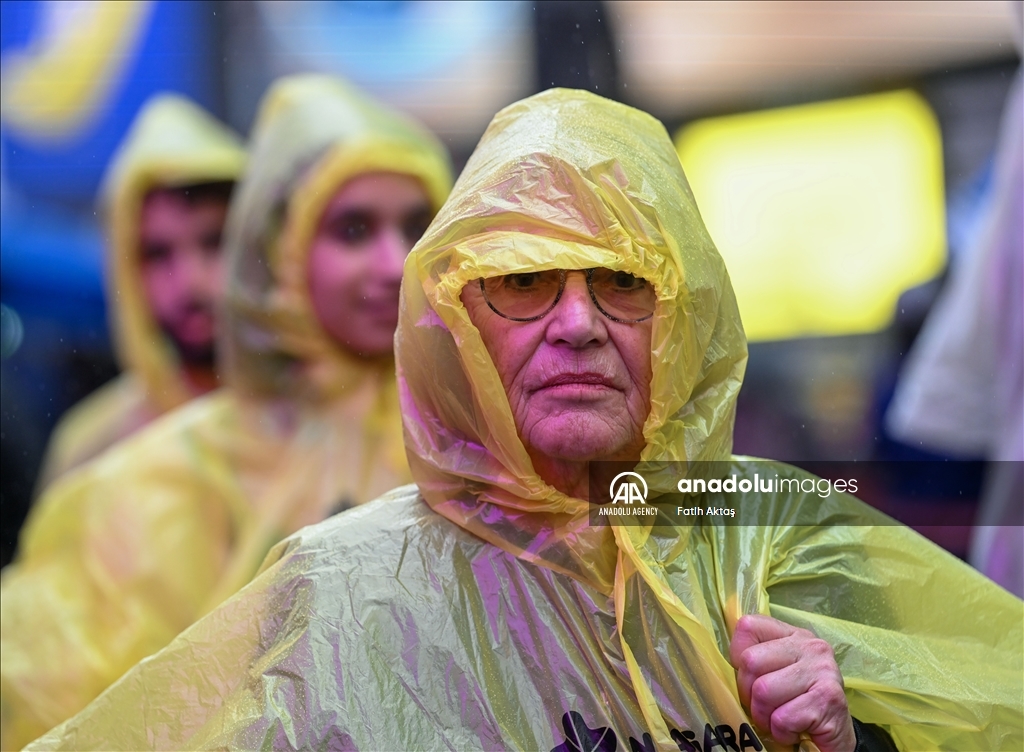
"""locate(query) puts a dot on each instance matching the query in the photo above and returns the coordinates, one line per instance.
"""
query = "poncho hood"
(564, 179)
(312, 134)
(172, 143)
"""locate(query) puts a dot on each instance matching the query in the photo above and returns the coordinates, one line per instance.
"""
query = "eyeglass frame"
(563, 276)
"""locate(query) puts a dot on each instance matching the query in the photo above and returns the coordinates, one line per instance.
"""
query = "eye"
(155, 253)
(353, 228)
(416, 223)
(521, 282)
(211, 243)
(623, 282)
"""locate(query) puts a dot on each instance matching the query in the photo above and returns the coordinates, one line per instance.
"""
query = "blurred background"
(841, 154)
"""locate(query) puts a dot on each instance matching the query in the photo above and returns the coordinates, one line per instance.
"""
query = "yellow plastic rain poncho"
(172, 143)
(480, 610)
(125, 553)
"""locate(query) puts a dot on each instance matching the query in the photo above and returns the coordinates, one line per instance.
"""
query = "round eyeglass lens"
(622, 296)
(524, 296)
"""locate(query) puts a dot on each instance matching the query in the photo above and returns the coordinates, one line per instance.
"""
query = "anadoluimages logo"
(628, 491)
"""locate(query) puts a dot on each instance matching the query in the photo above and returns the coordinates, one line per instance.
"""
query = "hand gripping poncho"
(480, 610)
(132, 548)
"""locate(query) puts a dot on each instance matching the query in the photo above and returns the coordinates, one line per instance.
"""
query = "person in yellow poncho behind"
(123, 554)
(566, 306)
(165, 197)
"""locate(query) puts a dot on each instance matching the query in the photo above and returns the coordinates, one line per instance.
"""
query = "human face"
(356, 259)
(578, 383)
(180, 245)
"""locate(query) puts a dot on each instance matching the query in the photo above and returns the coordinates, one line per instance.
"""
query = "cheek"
(636, 350)
(214, 270)
(510, 346)
(333, 279)
(159, 284)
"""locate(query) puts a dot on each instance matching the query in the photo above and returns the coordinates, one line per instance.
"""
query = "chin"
(579, 440)
(373, 341)
(201, 355)
(371, 350)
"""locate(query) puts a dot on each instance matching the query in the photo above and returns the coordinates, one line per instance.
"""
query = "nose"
(198, 272)
(575, 321)
(390, 253)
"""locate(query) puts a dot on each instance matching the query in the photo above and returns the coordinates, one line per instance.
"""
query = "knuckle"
(761, 714)
(782, 719)
(836, 696)
(833, 727)
(744, 624)
(830, 695)
(819, 648)
(760, 687)
(783, 728)
(748, 662)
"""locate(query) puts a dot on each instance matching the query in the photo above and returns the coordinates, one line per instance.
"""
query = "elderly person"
(567, 306)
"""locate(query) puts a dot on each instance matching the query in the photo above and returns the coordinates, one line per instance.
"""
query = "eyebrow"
(364, 209)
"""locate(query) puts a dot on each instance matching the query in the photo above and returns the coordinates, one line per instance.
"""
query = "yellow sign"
(52, 90)
(824, 213)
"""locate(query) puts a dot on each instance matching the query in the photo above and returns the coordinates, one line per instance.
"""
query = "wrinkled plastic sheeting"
(389, 627)
(136, 546)
(480, 609)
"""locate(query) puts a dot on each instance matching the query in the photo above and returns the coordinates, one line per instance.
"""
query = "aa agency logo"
(628, 491)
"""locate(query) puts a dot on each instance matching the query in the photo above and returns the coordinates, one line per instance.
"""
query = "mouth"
(384, 310)
(578, 381)
(195, 325)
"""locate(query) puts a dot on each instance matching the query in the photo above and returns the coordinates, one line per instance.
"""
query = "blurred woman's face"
(356, 258)
(578, 383)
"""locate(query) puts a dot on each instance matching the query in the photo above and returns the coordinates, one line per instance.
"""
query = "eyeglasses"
(530, 296)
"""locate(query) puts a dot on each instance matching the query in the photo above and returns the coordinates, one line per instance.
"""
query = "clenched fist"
(790, 682)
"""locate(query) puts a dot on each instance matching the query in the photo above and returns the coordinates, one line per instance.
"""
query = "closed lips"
(381, 308)
(575, 379)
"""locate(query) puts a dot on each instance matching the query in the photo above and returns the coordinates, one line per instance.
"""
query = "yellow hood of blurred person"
(172, 143)
(123, 554)
(479, 609)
